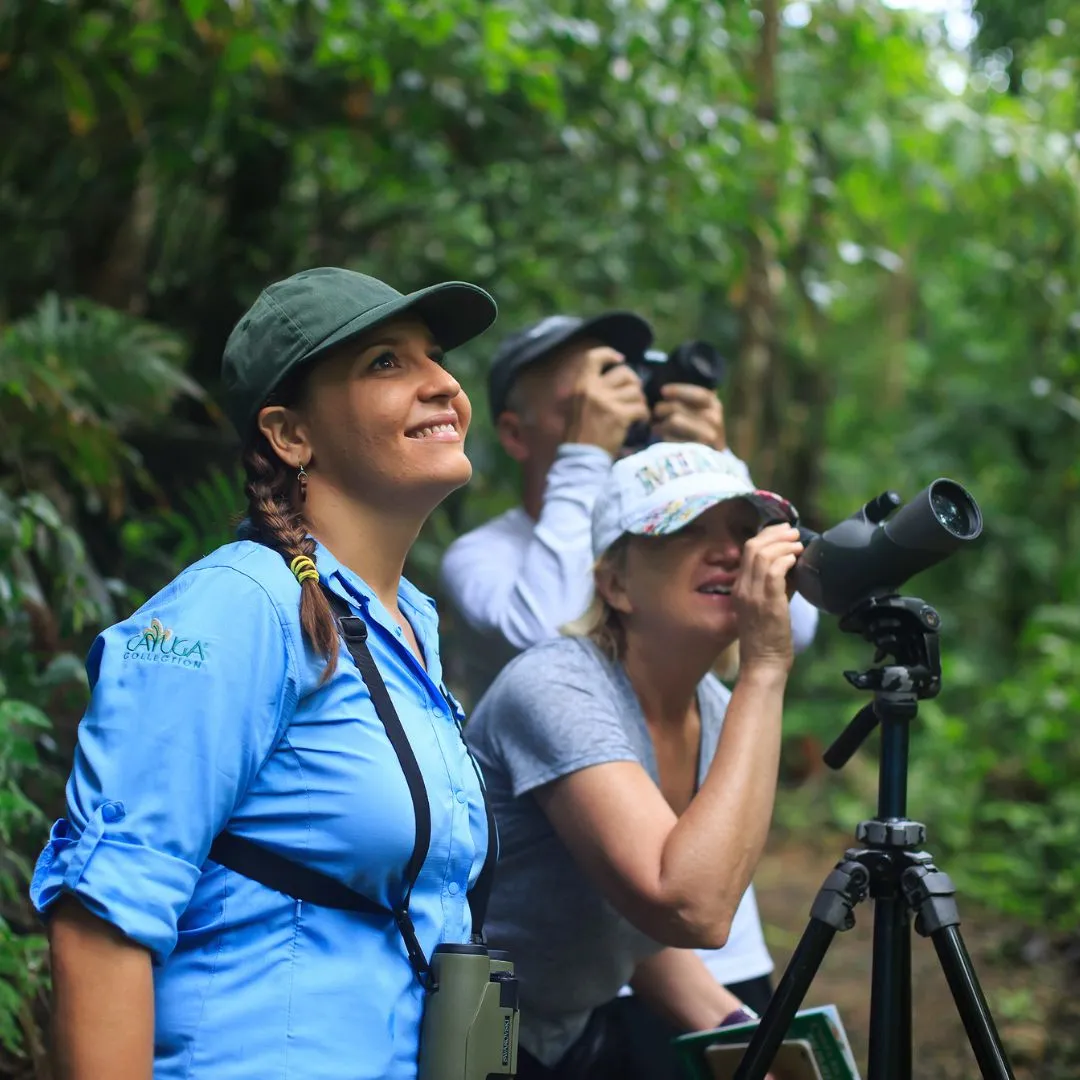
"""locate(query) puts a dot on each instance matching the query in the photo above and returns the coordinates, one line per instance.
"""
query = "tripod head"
(906, 629)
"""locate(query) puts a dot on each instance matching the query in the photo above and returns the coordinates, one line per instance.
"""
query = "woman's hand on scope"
(761, 596)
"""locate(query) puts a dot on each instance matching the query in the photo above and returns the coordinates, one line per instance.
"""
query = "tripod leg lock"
(892, 833)
(846, 886)
(930, 893)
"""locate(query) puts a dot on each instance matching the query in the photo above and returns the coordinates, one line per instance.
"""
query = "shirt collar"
(351, 587)
(418, 608)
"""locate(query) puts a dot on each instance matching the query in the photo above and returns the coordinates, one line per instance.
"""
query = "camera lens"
(955, 509)
(697, 362)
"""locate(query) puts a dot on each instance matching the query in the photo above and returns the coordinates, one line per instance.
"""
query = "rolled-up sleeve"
(188, 698)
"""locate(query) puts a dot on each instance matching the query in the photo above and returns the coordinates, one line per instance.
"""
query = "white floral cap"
(664, 487)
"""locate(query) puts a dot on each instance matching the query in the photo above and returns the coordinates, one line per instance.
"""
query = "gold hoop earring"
(301, 480)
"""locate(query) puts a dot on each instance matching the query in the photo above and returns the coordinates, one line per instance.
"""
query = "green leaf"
(78, 94)
(196, 9)
(22, 714)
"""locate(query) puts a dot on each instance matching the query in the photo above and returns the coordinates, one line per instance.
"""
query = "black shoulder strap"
(354, 631)
(480, 893)
(302, 883)
(285, 876)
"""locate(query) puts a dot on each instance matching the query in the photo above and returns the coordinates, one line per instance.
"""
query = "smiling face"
(381, 421)
(680, 585)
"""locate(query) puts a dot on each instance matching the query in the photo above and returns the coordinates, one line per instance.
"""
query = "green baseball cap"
(303, 317)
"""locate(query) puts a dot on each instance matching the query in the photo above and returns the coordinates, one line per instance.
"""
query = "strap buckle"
(412, 946)
(353, 628)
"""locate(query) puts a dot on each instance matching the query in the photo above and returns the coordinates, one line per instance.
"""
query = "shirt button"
(452, 888)
(461, 797)
(398, 631)
(436, 711)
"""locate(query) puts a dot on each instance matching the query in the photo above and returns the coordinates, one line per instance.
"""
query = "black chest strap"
(312, 886)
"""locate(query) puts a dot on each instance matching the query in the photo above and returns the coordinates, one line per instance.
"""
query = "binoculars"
(470, 1026)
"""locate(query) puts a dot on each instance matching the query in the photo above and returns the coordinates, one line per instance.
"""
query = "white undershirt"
(515, 581)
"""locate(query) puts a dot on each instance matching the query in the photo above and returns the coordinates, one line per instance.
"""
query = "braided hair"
(278, 522)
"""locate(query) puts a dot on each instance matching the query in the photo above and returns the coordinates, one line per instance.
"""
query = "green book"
(816, 1048)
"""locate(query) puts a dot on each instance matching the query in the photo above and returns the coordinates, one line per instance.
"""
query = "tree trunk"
(899, 299)
(121, 280)
(754, 371)
(803, 424)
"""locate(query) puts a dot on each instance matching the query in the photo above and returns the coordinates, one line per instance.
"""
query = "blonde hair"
(726, 667)
(600, 622)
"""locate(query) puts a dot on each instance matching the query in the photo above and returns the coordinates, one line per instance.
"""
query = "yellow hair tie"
(304, 569)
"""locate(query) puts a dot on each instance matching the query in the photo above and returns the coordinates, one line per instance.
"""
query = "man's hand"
(689, 413)
(605, 404)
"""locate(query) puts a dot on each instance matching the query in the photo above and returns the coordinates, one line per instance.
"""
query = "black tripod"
(902, 880)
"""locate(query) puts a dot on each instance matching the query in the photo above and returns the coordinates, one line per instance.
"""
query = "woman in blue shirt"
(228, 703)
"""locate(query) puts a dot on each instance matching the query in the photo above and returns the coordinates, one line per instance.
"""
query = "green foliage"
(204, 517)
(76, 380)
(46, 584)
(31, 535)
(891, 269)
(1000, 784)
(75, 377)
(19, 722)
(23, 981)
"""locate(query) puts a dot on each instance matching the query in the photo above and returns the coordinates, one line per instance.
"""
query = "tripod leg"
(971, 1004)
(931, 895)
(831, 911)
(889, 995)
(905, 1065)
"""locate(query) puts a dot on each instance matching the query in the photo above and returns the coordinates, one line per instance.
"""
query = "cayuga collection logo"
(159, 645)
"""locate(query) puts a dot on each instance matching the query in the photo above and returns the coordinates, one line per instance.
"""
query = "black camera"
(867, 555)
(695, 362)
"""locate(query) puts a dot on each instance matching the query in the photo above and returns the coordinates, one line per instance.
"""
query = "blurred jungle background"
(872, 208)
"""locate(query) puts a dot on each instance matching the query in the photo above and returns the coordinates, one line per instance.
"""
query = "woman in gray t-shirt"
(628, 820)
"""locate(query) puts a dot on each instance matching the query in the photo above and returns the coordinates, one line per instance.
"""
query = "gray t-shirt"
(560, 707)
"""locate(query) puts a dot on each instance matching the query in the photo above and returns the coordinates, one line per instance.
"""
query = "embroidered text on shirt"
(159, 645)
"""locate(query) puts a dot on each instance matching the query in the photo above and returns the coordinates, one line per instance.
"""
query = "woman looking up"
(227, 710)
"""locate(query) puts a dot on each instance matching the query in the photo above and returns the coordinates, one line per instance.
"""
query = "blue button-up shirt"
(208, 712)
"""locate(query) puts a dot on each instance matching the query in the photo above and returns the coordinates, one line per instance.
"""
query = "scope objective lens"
(953, 509)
